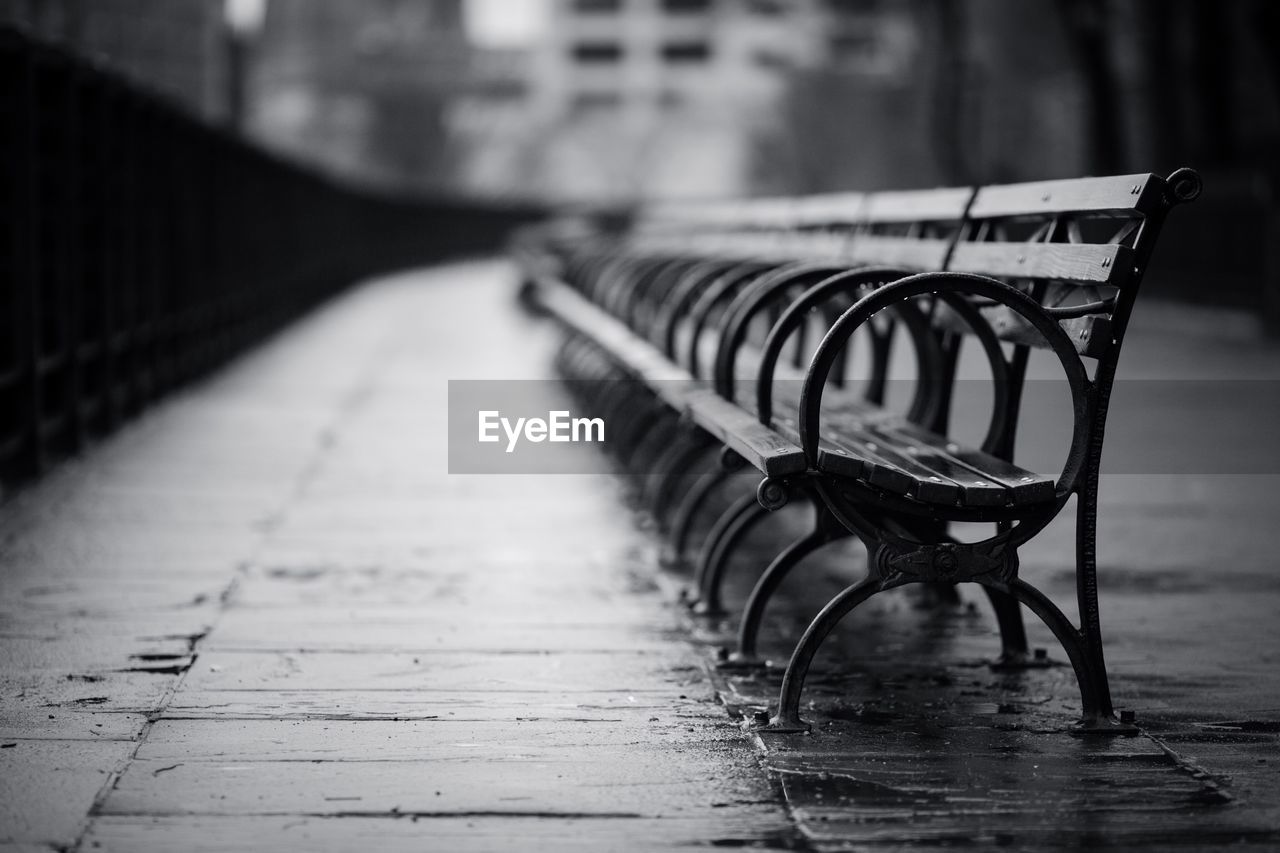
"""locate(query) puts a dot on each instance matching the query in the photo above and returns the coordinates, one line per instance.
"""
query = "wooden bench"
(743, 319)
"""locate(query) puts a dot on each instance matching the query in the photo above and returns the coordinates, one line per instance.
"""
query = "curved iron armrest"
(683, 293)
(700, 312)
(851, 282)
(615, 282)
(633, 309)
(951, 288)
(585, 270)
(747, 305)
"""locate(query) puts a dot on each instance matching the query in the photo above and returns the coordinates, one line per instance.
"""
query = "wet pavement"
(265, 616)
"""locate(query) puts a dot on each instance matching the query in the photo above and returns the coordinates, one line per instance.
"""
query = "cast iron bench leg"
(1014, 654)
(729, 530)
(687, 512)
(788, 717)
(1100, 719)
(825, 531)
(677, 463)
(1092, 680)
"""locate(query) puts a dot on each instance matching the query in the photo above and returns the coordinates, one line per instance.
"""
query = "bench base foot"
(672, 560)
(1020, 661)
(700, 607)
(1106, 725)
(783, 726)
(738, 662)
(935, 596)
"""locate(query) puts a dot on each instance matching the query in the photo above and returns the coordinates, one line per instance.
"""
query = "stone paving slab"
(514, 706)
(592, 671)
(565, 781)
(441, 740)
(242, 631)
(741, 826)
(33, 721)
(47, 787)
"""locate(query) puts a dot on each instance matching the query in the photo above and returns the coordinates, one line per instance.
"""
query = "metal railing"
(140, 248)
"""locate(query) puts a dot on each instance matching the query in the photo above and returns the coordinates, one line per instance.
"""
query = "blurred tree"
(1211, 76)
(1086, 24)
(835, 130)
(1159, 138)
(949, 82)
(407, 140)
(363, 88)
(1265, 18)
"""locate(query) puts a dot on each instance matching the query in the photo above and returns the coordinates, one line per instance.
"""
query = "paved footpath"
(264, 617)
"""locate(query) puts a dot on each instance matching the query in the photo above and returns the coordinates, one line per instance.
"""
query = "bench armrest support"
(942, 285)
(850, 283)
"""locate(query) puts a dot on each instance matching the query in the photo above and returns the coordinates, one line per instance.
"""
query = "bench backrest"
(1078, 246)
(1075, 250)
(912, 229)
(1074, 245)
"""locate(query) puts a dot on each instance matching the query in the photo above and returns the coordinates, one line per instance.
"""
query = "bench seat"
(864, 442)
(860, 441)
(771, 452)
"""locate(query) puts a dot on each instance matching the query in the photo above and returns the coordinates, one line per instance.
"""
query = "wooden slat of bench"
(1082, 262)
(772, 246)
(719, 212)
(925, 255)
(1141, 193)
(1024, 486)
(983, 480)
(978, 484)
(975, 489)
(764, 449)
(769, 213)
(1090, 335)
(864, 465)
(940, 205)
(887, 461)
(867, 464)
(733, 245)
(635, 355)
(847, 450)
(809, 247)
(830, 209)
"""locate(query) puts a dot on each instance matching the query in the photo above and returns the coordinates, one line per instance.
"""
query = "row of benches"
(735, 326)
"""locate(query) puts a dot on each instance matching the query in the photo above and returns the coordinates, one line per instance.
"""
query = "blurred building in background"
(362, 87)
(175, 47)
(623, 100)
(631, 99)
(626, 99)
